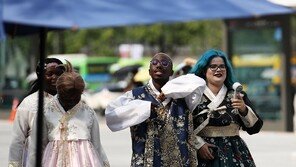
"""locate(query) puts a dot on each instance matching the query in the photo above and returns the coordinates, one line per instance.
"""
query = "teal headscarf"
(202, 64)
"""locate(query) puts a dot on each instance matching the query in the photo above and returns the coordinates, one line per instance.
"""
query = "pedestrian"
(27, 109)
(158, 115)
(184, 67)
(71, 135)
(224, 110)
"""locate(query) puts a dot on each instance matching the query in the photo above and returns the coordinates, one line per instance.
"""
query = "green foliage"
(166, 37)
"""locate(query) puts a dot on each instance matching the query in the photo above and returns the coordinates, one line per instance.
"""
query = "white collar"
(166, 101)
(153, 87)
(215, 100)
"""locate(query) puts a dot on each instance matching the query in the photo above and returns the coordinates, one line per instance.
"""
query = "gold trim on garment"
(220, 131)
(171, 155)
(64, 136)
(149, 146)
(192, 151)
(14, 164)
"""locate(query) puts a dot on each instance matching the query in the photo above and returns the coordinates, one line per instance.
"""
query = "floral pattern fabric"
(162, 141)
(232, 150)
(70, 138)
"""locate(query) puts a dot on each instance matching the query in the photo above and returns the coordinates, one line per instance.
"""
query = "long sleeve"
(250, 119)
(125, 111)
(21, 132)
(22, 128)
(33, 142)
(96, 141)
(252, 122)
(190, 87)
(198, 142)
(19, 136)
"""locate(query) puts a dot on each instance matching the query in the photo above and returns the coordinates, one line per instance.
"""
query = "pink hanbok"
(71, 139)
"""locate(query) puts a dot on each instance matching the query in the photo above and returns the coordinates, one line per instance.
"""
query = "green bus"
(94, 70)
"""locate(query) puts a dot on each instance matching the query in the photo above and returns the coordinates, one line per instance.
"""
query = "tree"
(197, 36)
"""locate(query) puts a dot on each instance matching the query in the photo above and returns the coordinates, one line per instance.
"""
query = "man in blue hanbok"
(159, 116)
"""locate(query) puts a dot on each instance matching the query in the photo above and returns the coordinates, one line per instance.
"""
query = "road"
(269, 149)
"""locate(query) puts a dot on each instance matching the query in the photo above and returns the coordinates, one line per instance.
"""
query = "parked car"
(123, 80)
(99, 100)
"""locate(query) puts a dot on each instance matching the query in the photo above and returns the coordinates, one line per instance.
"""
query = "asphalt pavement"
(269, 148)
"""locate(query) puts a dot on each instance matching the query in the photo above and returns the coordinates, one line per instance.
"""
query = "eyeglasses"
(164, 63)
(214, 67)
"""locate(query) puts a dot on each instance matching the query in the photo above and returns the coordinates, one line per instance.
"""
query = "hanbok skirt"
(231, 152)
(71, 154)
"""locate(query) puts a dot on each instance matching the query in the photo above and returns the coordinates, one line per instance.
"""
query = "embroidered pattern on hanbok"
(166, 142)
(220, 115)
(161, 136)
(71, 139)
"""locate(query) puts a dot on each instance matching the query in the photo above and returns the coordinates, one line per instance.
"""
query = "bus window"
(260, 75)
(94, 70)
(97, 68)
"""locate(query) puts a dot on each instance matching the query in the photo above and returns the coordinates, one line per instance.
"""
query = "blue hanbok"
(159, 140)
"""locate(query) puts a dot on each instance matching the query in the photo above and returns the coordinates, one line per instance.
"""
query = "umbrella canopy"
(24, 17)
(60, 14)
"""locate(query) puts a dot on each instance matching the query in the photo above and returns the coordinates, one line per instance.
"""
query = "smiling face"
(216, 72)
(161, 68)
(52, 72)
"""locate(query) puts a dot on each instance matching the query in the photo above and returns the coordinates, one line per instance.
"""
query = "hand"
(205, 152)
(161, 97)
(238, 103)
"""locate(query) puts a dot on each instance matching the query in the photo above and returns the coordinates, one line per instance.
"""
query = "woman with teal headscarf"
(221, 114)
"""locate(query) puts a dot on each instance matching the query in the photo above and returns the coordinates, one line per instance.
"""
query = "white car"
(99, 100)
